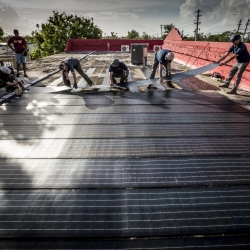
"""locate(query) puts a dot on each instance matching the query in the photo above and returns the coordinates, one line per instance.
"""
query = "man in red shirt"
(20, 49)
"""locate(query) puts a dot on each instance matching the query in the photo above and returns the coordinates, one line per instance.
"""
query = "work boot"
(170, 85)
(90, 84)
(224, 85)
(232, 92)
(75, 85)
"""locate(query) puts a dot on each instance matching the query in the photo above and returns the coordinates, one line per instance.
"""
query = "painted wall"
(198, 54)
(77, 45)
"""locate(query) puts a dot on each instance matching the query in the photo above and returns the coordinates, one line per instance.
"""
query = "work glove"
(21, 84)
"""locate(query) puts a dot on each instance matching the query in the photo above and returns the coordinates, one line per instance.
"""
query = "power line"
(181, 27)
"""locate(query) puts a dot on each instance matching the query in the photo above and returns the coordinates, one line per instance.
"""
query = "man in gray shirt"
(73, 64)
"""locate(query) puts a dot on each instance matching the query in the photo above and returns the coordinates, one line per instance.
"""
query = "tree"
(1, 33)
(51, 37)
(133, 34)
(145, 36)
(114, 35)
(167, 29)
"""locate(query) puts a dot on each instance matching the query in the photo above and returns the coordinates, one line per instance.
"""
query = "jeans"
(237, 67)
(155, 66)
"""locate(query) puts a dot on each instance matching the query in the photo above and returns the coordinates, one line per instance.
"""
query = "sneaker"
(75, 85)
(25, 75)
(17, 74)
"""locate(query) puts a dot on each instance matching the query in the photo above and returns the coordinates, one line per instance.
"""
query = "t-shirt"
(71, 63)
(160, 55)
(18, 42)
(241, 51)
(121, 66)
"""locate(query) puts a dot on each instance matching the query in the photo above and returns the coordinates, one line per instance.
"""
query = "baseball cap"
(115, 62)
(5, 70)
(235, 37)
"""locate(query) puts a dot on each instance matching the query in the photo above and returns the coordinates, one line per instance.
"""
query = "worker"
(9, 81)
(73, 64)
(20, 49)
(145, 53)
(163, 58)
(240, 52)
(118, 69)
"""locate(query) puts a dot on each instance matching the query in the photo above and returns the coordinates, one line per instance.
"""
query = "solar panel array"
(124, 171)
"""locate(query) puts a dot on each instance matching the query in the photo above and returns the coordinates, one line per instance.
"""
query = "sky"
(123, 16)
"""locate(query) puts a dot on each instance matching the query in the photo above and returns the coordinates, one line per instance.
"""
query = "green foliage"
(145, 36)
(1, 33)
(223, 37)
(133, 34)
(166, 29)
(51, 37)
(114, 35)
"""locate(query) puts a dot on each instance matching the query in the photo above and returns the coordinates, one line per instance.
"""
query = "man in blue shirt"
(163, 57)
(242, 56)
(118, 69)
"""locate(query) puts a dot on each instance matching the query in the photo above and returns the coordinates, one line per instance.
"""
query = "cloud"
(113, 15)
(10, 19)
(217, 16)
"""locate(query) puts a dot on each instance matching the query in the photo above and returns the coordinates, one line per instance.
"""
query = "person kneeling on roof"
(9, 81)
(163, 57)
(118, 69)
(73, 64)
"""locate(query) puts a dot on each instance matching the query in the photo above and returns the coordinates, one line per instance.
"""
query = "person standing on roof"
(73, 64)
(163, 58)
(20, 50)
(9, 81)
(240, 52)
(118, 69)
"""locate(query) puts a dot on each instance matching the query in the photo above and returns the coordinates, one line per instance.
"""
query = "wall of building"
(198, 54)
(77, 45)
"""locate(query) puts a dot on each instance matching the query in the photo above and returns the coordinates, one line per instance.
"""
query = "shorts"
(20, 58)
